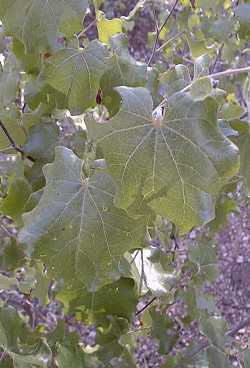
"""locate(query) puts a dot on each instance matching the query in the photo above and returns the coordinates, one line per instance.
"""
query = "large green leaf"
(36, 23)
(76, 224)
(184, 156)
(76, 73)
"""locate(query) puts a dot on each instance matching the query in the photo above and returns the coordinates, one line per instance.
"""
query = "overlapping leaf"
(75, 228)
(36, 23)
(24, 349)
(76, 73)
(184, 158)
(125, 71)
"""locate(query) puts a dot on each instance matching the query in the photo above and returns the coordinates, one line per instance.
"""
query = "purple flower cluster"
(147, 353)
(47, 316)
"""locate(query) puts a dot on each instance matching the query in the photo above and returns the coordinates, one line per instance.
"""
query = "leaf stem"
(13, 143)
(158, 32)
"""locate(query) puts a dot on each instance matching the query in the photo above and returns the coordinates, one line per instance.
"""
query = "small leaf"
(42, 140)
(175, 79)
(215, 329)
(18, 193)
(107, 27)
(7, 282)
(201, 88)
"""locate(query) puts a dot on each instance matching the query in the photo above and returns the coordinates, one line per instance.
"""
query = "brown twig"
(13, 143)
(159, 29)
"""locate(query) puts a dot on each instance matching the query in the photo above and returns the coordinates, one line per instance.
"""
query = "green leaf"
(231, 110)
(36, 24)
(243, 142)
(201, 66)
(217, 358)
(66, 358)
(12, 121)
(76, 73)
(201, 88)
(126, 71)
(76, 223)
(42, 140)
(11, 256)
(18, 193)
(215, 329)
(242, 13)
(162, 329)
(175, 79)
(7, 283)
(25, 350)
(224, 206)
(246, 358)
(205, 256)
(141, 149)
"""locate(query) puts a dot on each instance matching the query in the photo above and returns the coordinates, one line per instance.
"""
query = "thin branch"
(169, 41)
(221, 74)
(218, 57)
(79, 35)
(206, 344)
(13, 143)
(158, 31)
(146, 306)
(214, 75)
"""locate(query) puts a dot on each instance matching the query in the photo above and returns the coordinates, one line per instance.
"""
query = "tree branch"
(158, 31)
(13, 143)
(214, 75)
(218, 57)
(205, 344)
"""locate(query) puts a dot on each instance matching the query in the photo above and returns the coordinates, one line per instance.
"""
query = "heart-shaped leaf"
(183, 158)
(76, 225)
